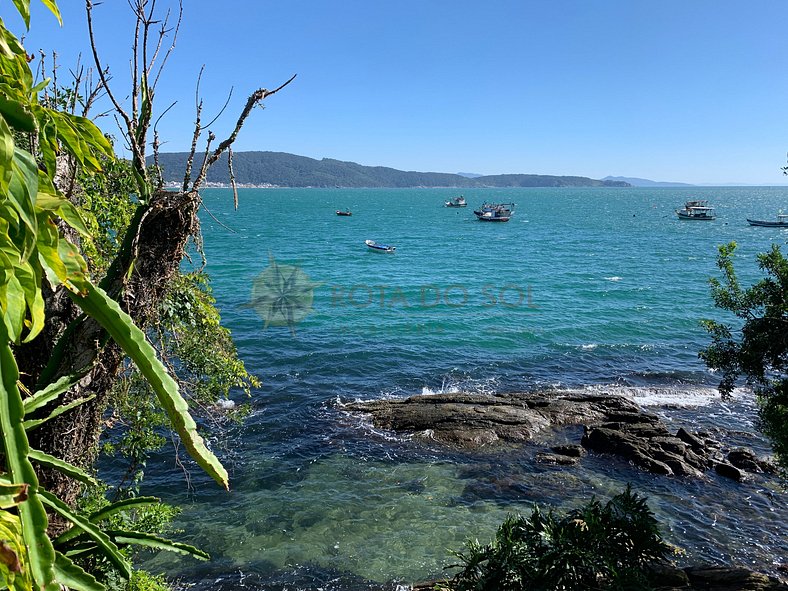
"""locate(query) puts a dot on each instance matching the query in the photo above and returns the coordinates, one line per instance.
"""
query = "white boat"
(380, 247)
(457, 202)
(698, 209)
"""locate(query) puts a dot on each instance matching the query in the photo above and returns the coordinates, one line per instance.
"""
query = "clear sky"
(677, 90)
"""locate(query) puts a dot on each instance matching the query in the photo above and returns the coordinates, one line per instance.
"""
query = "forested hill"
(288, 170)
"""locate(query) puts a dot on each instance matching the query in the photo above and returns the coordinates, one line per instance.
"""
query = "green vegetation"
(594, 547)
(90, 287)
(288, 170)
(758, 348)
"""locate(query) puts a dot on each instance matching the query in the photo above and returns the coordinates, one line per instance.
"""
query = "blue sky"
(692, 91)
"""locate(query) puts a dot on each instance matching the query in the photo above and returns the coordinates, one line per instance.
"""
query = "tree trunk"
(154, 253)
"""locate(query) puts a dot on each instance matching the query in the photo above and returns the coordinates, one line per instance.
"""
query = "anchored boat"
(494, 212)
(696, 210)
(781, 222)
(380, 247)
(457, 202)
(346, 212)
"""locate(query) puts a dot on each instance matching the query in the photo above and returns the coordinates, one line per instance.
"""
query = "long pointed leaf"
(124, 505)
(31, 513)
(31, 424)
(132, 340)
(106, 512)
(48, 394)
(73, 577)
(105, 544)
(62, 466)
(143, 539)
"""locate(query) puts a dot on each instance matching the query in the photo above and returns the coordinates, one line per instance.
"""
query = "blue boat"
(781, 222)
(380, 247)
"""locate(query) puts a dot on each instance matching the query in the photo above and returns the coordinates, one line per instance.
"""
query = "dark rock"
(719, 578)
(559, 459)
(613, 425)
(476, 420)
(729, 471)
(666, 576)
(744, 458)
(694, 441)
(573, 451)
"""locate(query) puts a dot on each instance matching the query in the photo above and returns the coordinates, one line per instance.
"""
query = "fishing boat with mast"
(494, 212)
(698, 209)
(457, 202)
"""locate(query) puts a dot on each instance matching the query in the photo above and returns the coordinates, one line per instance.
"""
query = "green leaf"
(105, 544)
(131, 339)
(22, 192)
(52, 6)
(73, 577)
(31, 424)
(6, 153)
(124, 505)
(64, 467)
(109, 511)
(50, 393)
(23, 6)
(17, 115)
(30, 281)
(14, 312)
(41, 554)
(151, 541)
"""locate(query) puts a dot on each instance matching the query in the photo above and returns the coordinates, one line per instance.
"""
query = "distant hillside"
(288, 170)
(636, 182)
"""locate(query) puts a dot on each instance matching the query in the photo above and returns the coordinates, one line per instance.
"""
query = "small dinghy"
(346, 212)
(380, 247)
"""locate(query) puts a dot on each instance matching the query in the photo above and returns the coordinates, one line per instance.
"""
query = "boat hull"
(695, 218)
(380, 247)
(767, 224)
(481, 218)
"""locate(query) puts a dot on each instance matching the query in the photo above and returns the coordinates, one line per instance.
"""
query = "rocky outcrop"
(476, 420)
(612, 425)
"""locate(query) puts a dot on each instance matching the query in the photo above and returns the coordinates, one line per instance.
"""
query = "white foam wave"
(613, 278)
(683, 396)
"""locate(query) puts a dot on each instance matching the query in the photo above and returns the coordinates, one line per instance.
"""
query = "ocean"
(597, 289)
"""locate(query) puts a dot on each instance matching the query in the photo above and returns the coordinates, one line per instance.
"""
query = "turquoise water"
(584, 288)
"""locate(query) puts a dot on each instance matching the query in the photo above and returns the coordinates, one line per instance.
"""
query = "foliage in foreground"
(35, 252)
(594, 547)
(759, 350)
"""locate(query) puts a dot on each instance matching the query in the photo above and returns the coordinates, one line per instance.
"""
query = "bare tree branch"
(251, 102)
(197, 131)
(101, 71)
(227, 102)
(232, 176)
(172, 45)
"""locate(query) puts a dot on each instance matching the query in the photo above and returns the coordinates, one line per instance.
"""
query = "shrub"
(594, 547)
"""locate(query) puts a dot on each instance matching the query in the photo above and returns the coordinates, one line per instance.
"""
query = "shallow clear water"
(583, 288)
